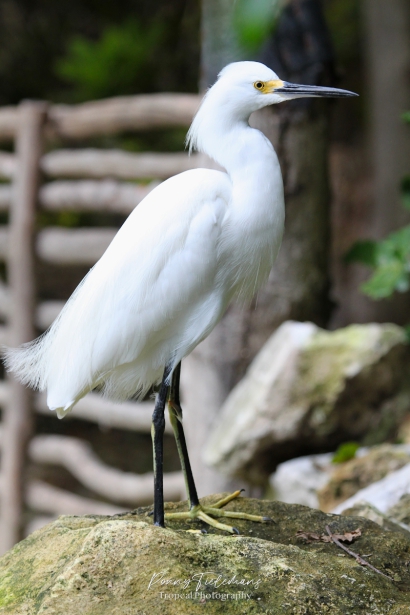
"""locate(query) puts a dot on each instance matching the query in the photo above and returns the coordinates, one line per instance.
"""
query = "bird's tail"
(44, 363)
(26, 362)
(29, 365)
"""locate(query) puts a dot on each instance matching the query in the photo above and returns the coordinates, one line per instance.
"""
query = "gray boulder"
(297, 481)
(309, 390)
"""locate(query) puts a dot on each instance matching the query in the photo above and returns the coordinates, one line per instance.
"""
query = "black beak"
(295, 90)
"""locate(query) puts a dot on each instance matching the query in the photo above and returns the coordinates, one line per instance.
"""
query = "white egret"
(196, 242)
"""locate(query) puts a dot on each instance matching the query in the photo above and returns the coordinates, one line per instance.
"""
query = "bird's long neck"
(222, 131)
(241, 149)
(249, 159)
(256, 208)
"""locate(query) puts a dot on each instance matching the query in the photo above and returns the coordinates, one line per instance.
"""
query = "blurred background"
(96, 99)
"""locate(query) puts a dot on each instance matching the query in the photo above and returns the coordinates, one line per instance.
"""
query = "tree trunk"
(387, 37)
(298, 285)
(219, 46)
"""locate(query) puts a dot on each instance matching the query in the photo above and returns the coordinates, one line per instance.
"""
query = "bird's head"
(252, 85)
(241, 89)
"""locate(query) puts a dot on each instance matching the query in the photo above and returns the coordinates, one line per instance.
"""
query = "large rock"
(401, 510)
(396, 517)
(383, 494)
(123, 565)
(308, 390)
(392, 520)
(298, 481)
(354, 475)
(315, 481)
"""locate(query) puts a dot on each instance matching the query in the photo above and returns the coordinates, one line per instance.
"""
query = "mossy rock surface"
(309, 390)
(123, 565)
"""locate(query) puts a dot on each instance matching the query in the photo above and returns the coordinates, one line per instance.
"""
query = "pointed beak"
(295, 90)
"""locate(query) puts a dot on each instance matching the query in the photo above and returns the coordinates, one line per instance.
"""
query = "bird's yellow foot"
(210, 514)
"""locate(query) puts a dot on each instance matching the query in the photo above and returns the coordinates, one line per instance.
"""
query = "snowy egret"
(196, 242)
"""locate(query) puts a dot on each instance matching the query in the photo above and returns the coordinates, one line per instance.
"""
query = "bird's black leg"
(157, 434)
(208, 514)
(175, 415)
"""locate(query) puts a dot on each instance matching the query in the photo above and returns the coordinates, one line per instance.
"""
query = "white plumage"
(193, 244)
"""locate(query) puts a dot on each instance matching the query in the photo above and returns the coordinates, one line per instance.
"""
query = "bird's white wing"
(153, 289)
(160, 265)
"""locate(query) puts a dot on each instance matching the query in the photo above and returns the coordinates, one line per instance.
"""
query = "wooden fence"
(90, 180)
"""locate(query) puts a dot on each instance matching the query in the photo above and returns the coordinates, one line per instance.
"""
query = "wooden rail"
(78, 458)
(6, 193)
(8, 165)
(62, 246)
(90, 195)
(42, 497)
(130, 415)
(97, 163)
(115, 163)
(81, 246)
(110, 116)
(86, 195)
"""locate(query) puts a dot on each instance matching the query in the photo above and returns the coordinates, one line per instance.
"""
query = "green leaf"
(364, 252)
(254, 20)
(390, 257)
(386, 279)
(395, 246)
(346, 451)
(406, 117)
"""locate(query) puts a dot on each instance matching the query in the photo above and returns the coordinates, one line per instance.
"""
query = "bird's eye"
(258, 85)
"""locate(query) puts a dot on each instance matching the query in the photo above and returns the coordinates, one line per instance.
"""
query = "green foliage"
(254, 20)
(364, 252)
(389, 258)
(112, 65)
(345, 451)
(406, 117)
